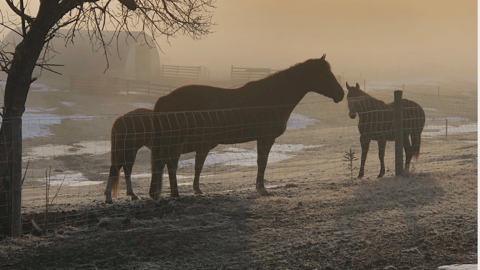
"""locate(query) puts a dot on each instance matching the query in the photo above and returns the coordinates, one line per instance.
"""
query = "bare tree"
(156, 18)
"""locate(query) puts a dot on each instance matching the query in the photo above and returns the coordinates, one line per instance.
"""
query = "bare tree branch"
(20, 12)
(153, 19)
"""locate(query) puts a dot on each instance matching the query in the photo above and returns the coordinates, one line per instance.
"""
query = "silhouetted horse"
(376, 123)
(130, 132)
(205, 116)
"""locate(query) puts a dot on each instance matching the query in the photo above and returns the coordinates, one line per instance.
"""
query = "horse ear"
(348, 86)
(323, 56)
(357, 86)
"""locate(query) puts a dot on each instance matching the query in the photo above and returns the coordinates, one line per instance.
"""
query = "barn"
(130, 56)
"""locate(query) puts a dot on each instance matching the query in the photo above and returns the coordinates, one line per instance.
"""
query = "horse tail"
(416, 141)
(417, 134)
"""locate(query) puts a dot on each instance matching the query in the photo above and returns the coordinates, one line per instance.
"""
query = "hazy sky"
(436, 36)
(425, 37)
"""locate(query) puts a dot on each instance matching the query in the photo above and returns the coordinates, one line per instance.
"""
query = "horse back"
(377, 123)
(133, 130)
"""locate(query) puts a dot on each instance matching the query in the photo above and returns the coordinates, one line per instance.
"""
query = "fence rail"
(249, 74)
(48, 141)
(200, 72)
(117, 85)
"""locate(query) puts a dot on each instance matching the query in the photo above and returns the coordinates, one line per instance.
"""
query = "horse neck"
(280, 89)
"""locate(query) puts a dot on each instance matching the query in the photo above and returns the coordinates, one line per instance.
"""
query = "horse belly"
(237, 133)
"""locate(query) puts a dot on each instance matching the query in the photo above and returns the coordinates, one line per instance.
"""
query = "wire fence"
(67, 159)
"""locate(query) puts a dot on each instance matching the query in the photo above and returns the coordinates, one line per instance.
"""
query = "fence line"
(245, 74)
(117, 85)
(249, 74)
(318, 133)
(200, 72)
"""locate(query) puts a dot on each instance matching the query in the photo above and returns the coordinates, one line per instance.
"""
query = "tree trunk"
(16, 90)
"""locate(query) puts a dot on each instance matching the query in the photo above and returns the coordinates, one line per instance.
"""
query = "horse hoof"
(155, 196)
(175, 195)
(107, 201)
(198, 192)
(263, 192)
(134, 198)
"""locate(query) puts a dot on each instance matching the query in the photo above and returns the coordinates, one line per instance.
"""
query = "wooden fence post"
(17, 178)
(398, 124)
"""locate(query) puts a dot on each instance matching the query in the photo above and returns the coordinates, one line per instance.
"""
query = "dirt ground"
(316, 217)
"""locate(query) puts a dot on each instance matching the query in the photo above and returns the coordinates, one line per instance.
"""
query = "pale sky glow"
(435, 37)
(375, 35)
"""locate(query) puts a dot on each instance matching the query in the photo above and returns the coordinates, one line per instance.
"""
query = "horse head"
(352, 96)
(326, 83)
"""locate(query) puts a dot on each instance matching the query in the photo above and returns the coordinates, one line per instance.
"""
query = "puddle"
(440, 130)
(36, 87)
(297, 121)
(244, 157)
(36, 124)
(70, 180)
(51, 150)
(143, 105)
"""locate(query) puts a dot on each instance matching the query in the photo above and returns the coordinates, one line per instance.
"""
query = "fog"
(375, 38)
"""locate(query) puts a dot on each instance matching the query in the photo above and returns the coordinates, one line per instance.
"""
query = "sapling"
(350, 157)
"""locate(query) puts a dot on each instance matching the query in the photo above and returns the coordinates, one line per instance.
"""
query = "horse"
(129, 133)
(376, 123)
(204, 116)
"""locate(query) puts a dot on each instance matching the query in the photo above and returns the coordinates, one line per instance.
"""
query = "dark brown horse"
(202, 117)
(376, 123)
(130, 132)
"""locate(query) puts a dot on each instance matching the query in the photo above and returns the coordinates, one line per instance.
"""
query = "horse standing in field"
(130, 132)
(204, 116)
(376, 123)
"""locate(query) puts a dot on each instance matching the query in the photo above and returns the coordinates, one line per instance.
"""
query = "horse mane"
(291, 70)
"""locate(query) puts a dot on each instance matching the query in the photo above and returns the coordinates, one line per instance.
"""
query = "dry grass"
(316, 217)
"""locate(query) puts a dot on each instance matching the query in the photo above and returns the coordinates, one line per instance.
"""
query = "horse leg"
(408, 153)
(263, 147)
(172, 165)
(200, 157)
(365, 143)
(157, 169)
(127, 169)
(113, 180)
(381, 155)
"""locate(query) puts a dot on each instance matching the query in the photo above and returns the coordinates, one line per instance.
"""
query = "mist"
(373, 40)
(370, 39)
